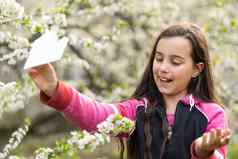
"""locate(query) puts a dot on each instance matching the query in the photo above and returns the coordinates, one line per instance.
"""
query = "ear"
(198, 69)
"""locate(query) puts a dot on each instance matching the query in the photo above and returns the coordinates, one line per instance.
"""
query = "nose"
(163, 67)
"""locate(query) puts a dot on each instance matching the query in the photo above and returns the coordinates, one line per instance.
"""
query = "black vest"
(188, 126)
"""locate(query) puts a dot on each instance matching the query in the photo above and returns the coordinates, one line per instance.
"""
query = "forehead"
(179, 46)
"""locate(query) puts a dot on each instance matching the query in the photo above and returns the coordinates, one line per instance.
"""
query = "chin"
(168, 94)
(165, 92)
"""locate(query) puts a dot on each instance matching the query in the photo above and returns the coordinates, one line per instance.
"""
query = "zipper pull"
(191, 102)
(170, 132)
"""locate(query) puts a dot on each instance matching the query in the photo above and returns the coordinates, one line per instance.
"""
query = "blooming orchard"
(15, 139)
(10, 99)
(109, 41)
(113, 125)
(10, 11)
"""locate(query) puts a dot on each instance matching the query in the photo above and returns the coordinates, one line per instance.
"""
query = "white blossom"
(113, 124)
(43, 153)
(77, 62)
(11, 100)
(15, 157)
(60, 20)
(17, 45)
(84, 140)
(48, 22)
(80, 140)
(14, 141)
(98, 10)
(10, 10)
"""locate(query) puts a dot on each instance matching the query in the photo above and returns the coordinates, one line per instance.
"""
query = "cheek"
(183, 74)
(155, 68)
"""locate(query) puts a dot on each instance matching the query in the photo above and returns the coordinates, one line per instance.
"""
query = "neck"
(171, 102)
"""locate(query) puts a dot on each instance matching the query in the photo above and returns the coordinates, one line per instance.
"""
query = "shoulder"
(214, 113)
(132, 102)
(128, 107)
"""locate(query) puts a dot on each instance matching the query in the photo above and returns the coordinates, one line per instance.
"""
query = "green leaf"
(117, 117)
(28, 121)
(59, 10)
(206, 28)
(233, 23)
(26, 21)
(88, 44)
(85, 4)
(122, 24)
(18, 85)
(38, 29)
(223, 29)
(220, 3)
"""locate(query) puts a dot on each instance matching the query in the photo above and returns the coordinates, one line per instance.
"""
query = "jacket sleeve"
(83, 111)
(216, 117)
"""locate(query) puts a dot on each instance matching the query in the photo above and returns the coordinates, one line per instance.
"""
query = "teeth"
(164, 79)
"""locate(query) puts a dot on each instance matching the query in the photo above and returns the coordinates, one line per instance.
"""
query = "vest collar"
(190, 100)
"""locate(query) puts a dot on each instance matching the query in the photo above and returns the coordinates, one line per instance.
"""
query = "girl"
(174, 106)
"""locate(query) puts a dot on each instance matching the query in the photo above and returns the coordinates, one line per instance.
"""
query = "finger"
(219, 132)
(223, 137)
(215, 139)
(212, 138)
(33, 72)
(226, 132)
(225, 140)
(205, 140)
(42, 67)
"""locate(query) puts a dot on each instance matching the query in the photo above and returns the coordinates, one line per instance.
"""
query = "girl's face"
(173, 66)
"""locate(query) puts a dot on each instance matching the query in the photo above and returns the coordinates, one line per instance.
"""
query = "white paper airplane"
(48, 48)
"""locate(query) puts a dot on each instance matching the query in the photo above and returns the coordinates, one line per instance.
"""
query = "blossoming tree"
(109, 40)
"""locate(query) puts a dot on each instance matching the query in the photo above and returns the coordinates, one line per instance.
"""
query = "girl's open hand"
(45, 78)
(206, 144)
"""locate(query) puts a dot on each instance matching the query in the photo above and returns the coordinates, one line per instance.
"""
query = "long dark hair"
(202, 86)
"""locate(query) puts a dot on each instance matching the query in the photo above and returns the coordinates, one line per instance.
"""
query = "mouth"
(165, 80)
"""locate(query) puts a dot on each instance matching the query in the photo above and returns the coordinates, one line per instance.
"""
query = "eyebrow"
(175, 56)
(158, 52)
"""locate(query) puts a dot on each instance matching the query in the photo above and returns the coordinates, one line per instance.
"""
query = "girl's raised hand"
(206, 144)
(45, 78)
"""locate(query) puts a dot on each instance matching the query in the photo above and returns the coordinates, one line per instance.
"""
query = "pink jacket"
(86, 113)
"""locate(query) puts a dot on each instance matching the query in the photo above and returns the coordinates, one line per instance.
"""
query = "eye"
(176, 62)
(158, 58)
